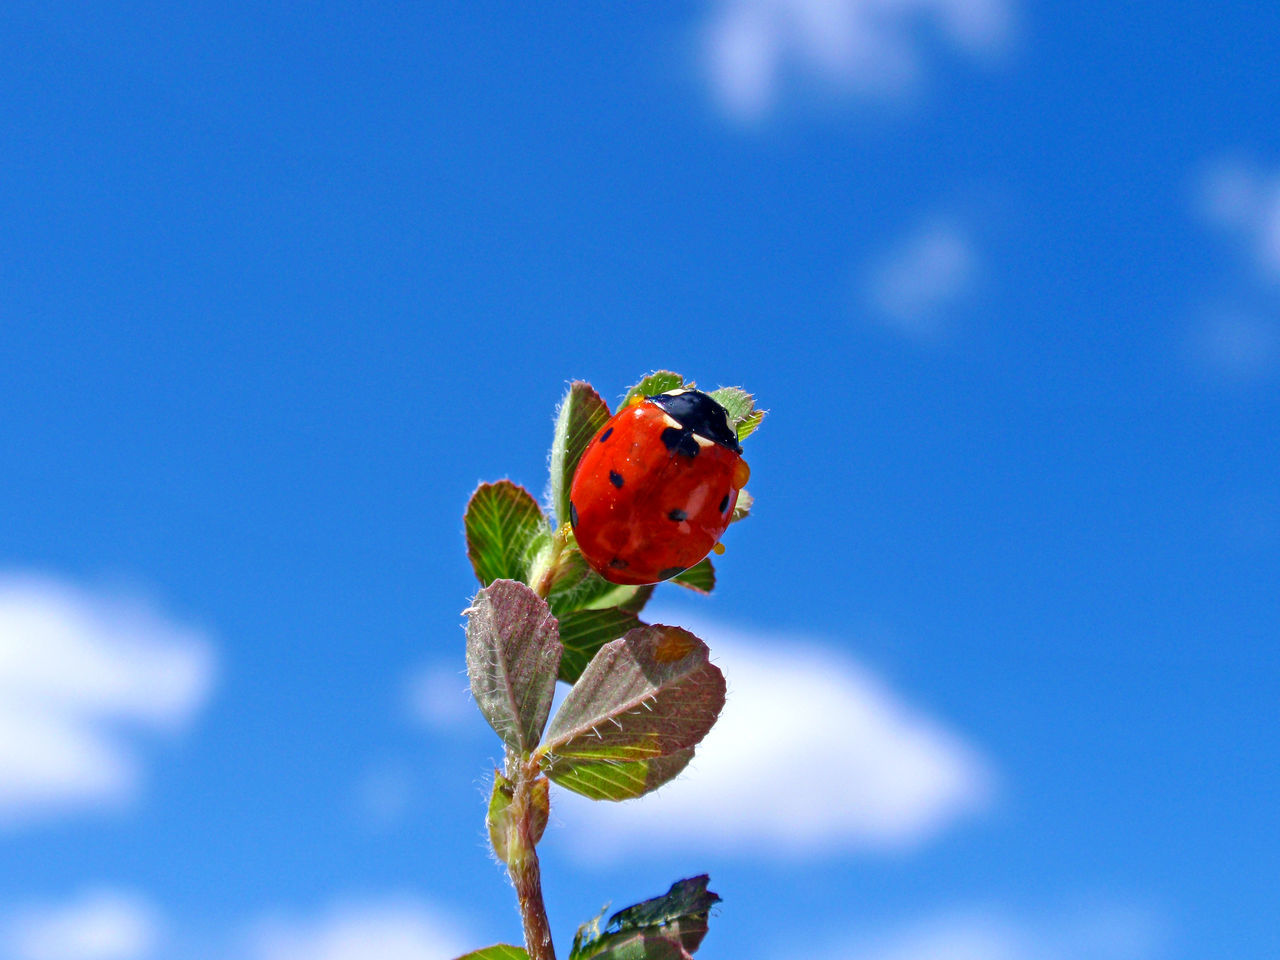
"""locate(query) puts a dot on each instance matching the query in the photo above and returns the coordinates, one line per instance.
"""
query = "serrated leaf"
(583, 632)
(673, 925)
(742, 508)
(513, 655)
(737, 403)
(504, 526)
(741, 407)
(579, 418)
(748, 426)
(660, 381)
(644, 697)
(499, 951)
(701, 577)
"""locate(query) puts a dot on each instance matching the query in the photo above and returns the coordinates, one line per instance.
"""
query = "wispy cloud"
(1238, 340)
(917, 286)
(1244, 201)
(1104, 932)
(84, 679)
(756, 51)
(398, 928)
(96, 925)
(813, 754)
(439, 697)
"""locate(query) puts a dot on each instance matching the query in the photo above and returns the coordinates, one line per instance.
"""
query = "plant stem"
(526, 875)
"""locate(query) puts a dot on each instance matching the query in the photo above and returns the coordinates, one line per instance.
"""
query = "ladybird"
(656, 487)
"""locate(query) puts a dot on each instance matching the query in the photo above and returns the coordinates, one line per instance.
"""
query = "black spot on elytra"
(680, 440)
(615, 478)
(617, 563)
(573, 514)
(605, 436)
(724, 504)
(677, 515)
(670, 572)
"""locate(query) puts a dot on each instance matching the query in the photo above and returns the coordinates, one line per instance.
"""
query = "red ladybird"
(656, 488)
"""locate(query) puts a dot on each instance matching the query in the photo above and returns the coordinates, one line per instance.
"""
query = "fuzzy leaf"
(742, 508)
(583, 632)
(610, 779)
(737, 403)
(513, 655)
(504, 527)
(741, 407)
(660, 381)
(638, 598)
(578, 587)
(498, 818)
(673, 925)
(644, 697)
(701, 577)
(579, 418)
(499, 951)
(748, 426)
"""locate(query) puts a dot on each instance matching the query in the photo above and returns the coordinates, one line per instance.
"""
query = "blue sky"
(280, 284)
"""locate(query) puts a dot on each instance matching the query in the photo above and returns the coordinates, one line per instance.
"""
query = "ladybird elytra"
(655, 489)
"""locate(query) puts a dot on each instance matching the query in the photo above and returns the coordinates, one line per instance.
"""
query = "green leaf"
(499, 951)
(583, 632)
(741, 407)
(748, 426)
(671, 926)
(742, 508)
(502, 822)
(639, 946)
(622, 779)
(642, 700)
(737, 403)
(701, 577)
(579, 418)
(505, 526)
(498, 817)
(635, 603)
(660, 381)
(578, 587)
(513, 655)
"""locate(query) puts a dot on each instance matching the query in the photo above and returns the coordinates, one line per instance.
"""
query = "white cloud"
(1099, 933)
(393, 929)
(1245, 202)
(439, 697)
(98, 925)
(923, 279)
(813, 753)
(754, 50)
(83, 678)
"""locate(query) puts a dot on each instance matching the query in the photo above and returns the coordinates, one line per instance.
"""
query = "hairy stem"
(526, 875)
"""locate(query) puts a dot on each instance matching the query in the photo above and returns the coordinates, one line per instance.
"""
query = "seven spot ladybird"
(656, 487)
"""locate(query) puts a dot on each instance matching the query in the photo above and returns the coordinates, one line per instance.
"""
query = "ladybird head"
(699, 414)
